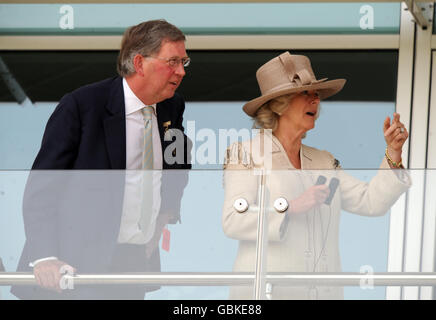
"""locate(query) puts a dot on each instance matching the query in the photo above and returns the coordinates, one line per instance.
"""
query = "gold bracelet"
(394, 164)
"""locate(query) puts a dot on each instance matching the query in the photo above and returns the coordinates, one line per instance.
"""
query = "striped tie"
(147, 173)
(147, 155)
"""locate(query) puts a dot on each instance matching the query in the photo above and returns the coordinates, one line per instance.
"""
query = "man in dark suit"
(91, 220)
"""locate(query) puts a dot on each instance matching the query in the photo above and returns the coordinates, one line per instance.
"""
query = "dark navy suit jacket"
(75, 214)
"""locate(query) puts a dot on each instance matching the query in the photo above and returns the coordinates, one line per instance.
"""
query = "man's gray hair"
(145, 39)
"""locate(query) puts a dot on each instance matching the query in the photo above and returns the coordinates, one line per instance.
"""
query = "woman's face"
(302, 111)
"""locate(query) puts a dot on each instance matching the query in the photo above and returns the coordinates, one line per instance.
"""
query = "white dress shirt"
(129, 229)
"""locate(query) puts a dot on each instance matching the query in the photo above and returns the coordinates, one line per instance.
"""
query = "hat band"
(292, 85)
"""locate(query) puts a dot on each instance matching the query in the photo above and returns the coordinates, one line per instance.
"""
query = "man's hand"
(48, 274)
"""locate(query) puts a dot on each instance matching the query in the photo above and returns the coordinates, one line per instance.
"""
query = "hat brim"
(325, 89)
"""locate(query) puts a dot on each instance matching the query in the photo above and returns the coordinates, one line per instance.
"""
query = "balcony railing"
(232, 278)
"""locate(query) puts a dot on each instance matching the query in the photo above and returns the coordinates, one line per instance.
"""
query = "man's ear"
(138, 62)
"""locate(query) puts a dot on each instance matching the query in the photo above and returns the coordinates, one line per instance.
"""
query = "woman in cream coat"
(304, 238)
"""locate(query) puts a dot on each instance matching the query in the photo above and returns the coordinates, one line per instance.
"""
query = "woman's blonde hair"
(267, 116)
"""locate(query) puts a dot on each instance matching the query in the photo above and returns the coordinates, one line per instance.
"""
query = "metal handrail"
(262, 227)
(234, 279)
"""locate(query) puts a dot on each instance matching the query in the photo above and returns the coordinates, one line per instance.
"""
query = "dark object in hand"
(333, 185)
(321, 180)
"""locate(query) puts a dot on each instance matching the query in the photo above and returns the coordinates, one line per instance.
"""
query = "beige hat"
(289, 74)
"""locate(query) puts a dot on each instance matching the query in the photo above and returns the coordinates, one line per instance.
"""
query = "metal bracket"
(422, 12)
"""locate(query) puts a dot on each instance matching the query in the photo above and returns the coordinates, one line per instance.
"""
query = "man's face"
(160, 79)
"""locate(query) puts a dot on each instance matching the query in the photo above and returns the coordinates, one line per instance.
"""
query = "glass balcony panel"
(125, 223)
(348, 237)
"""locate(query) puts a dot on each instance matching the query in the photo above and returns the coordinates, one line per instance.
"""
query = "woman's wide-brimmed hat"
(287, 74)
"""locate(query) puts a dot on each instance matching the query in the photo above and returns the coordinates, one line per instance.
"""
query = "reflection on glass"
(198, 244)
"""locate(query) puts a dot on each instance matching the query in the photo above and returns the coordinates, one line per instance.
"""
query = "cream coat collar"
(279, 157)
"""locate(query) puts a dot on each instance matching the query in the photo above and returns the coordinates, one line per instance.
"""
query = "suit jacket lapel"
(163, 116)
(159, 114)
(115, 126)
(164, 121)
